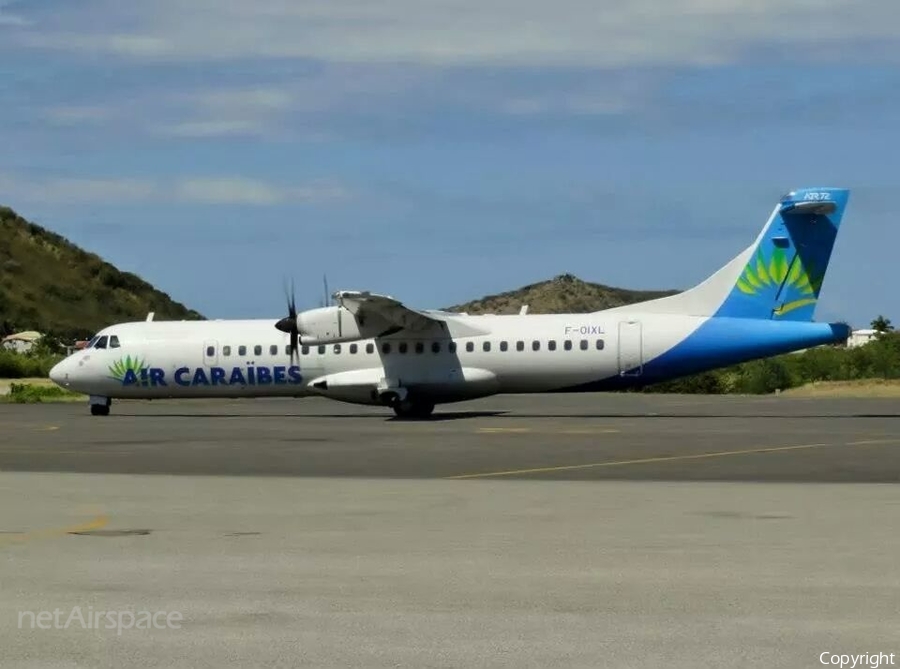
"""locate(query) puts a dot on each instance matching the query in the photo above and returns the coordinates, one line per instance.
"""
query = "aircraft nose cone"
(58, 374)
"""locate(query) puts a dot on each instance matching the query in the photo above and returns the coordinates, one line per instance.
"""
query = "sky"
(440, 151)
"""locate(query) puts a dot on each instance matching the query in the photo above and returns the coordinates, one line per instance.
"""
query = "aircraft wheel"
(408, 409)
(99, 409)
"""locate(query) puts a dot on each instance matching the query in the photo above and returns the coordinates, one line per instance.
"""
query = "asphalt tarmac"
(309, 533)
(569, 437)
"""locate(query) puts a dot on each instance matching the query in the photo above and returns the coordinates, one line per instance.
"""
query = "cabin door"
(631, 357)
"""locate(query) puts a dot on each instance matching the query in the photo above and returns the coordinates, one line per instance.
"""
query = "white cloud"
(227, 112)
(202, 190)
(254, 99)
(75, 190)
(76, 115)
(211, 128)
(228, 191)
(9, 19)
(516, 32)
(562, 103)
(239, 190)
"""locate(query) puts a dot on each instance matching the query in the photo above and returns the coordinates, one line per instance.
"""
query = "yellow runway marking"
(867, 442)
(666, 458)
(48, 451)
(93, 524)
(499, 430)
(521, 430)
(598, 431)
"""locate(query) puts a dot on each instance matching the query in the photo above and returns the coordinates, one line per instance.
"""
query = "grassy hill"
(562, 294)
(49, 284)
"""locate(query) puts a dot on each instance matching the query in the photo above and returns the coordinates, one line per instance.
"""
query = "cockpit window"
(101, 343)
(93, 341)
(113, 341)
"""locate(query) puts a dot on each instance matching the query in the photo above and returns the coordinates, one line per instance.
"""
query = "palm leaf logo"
(763, 274)
(122, 366)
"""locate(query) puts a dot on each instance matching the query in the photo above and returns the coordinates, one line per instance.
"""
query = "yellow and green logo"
(762, 275)
(126, 366)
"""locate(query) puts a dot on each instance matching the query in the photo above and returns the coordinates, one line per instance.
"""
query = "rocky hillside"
(565, 293)
(50, 285)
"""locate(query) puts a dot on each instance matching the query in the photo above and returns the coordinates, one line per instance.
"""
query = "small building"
(21, 342)
(861, 337)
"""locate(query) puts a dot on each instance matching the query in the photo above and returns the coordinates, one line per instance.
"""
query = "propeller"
(327, 301)
(288, 324)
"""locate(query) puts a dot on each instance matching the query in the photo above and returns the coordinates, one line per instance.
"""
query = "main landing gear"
(100, 405)
(403, 405)
(413, 410)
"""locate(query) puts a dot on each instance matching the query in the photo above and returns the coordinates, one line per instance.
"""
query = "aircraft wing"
(368, 307)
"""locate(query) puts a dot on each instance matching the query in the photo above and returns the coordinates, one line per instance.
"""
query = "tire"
(413, 410)
(99, 410)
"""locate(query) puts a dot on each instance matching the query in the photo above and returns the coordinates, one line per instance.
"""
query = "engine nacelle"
(328, 325)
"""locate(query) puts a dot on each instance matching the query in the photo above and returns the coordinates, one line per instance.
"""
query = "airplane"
(371, 349)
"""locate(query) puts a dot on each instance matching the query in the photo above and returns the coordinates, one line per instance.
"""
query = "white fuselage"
(517, 354)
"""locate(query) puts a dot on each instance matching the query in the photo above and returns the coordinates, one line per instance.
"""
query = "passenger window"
(551, 345)
(113, 341)
(242, 350)
(486, 346)
(504, 345)
(436, 347)
(568, 345)
(210, 351)
(257, 350)
(599, 344)
(470, 346)
(370, 348)
(584, 344)
(304, 350)
(322, 349)
(386, 348)
(420, 347)
(101, 343)
(337, 349)
(520, 345)
(226, 350)
(353, 349)
(451, 347)
(402, 347)
(273, 350)
(535, 345)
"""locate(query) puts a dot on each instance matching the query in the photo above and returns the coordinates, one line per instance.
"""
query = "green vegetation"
(29, 393)
(50, 285)
(29, 365)
(562, 294)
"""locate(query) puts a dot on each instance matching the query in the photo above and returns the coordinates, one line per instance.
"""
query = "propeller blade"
(288, 324)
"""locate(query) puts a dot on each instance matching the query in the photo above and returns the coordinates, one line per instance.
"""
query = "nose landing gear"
(100, 405)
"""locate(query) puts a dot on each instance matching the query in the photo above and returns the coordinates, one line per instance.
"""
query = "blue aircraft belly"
(721, 342)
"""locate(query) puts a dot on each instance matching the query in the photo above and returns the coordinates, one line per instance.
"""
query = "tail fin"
(779, 276)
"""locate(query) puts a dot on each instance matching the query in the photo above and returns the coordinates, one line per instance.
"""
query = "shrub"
(27, 393)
